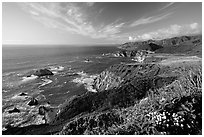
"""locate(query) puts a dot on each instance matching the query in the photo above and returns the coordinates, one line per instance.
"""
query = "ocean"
(67, 63)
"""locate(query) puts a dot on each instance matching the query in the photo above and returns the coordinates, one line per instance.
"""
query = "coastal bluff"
(162, 95)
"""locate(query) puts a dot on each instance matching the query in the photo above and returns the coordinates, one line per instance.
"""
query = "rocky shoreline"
(128, 98)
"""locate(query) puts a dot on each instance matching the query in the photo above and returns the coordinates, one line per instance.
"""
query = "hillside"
(191, 45)
(130, 93)
(161, 96)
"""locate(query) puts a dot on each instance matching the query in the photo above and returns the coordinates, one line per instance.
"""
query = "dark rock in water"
(15, 110)
(22, 94)
(42, 110)
(33, 102)
(87, 60)
(43, 72)
(48, 102)
(49, 114)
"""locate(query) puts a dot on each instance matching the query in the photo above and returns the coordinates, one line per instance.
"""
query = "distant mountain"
(182, 44)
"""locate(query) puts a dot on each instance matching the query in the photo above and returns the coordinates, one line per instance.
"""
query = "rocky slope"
(185, 44)
(123, 86)
(162, 97)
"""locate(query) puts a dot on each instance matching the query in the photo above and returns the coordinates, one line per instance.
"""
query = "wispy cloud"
(72, 18)
(34, 13)
(149, 20)
(171, 31)
(166, 6)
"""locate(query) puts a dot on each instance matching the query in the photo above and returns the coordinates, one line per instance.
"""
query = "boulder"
(33, 102)
(15, 110)
(49, 114)
(22, 94)
(42, 110)
(43, 72)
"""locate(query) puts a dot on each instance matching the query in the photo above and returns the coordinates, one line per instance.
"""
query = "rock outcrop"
(41, 72)
(22, 94)
(183, 44)
(107, 80)
(123, 73)
(15, 110)
(131, 53)
(121, 87)
(33, 102)
(49, 114)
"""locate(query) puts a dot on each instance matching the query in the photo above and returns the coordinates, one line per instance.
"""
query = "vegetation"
(148, 98)
(175, 108)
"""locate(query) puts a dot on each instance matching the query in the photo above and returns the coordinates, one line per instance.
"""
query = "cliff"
(185, 44)
(133, 96)
(155, 97)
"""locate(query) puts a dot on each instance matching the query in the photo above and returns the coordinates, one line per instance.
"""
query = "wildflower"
(183, 120)
(177, 124)
(162, 133)
(164, 117)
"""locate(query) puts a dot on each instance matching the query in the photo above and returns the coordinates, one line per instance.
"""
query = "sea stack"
(43, 72)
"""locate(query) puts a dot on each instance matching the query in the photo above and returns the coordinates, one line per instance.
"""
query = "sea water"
(68, 63)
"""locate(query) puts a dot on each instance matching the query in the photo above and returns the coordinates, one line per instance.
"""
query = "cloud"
(149, 20)
(166, 6)
(71, 17)
(74, 18)
(34, 13)
(171, 31)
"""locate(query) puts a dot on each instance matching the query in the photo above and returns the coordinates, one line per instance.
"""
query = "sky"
(88, 23)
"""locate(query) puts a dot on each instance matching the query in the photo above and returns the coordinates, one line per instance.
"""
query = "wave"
(71, 61)
(17, 97)
(58, 68)
(8, 74)
(87, 61)
(86, 80)
(46, 82)
(30, 78)
(19, 74)
(55, 69)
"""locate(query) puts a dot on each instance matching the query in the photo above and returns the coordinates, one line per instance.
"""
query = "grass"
(172, 109)
(156, 103)
(175, 108)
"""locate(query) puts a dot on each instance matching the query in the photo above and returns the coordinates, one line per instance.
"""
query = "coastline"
(86, 80)
(114, 96)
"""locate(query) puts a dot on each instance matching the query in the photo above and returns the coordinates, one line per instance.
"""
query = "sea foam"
(86, 80)
(58, 68)
(46, 81)
(32, 77)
